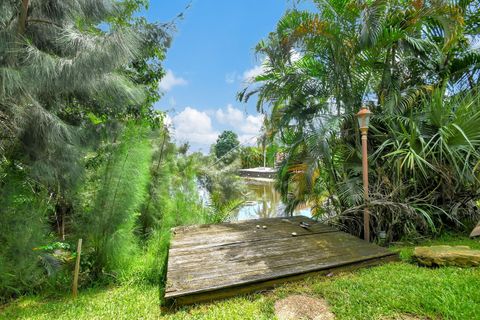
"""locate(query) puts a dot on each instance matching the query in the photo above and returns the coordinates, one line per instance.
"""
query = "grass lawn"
(382, 292)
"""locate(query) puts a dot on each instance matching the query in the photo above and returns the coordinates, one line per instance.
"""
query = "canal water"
(263, 201)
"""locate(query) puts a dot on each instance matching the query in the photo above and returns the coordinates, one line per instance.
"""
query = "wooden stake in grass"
(77, 269)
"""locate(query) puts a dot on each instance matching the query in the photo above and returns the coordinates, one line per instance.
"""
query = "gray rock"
(460, 256)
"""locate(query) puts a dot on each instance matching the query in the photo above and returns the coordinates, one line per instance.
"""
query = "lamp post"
(363, 121)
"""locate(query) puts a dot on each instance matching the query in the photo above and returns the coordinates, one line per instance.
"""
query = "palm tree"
(321, 67)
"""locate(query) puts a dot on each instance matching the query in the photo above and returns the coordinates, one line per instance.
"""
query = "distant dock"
(260, 172)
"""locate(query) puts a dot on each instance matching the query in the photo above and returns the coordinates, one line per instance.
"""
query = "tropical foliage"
(83, 152)
(417, 65)
(252, 157)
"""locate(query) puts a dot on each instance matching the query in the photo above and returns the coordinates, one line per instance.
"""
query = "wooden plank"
(213, 235)
(198, 283)
(173, 302)
(202, 228)
(212, 260)
(282, 242)
(295, 246)
(321, 241)
(213, 229)
(246, 265)
(250, 260)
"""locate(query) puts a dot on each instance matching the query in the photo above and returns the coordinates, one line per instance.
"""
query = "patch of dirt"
(296, 307)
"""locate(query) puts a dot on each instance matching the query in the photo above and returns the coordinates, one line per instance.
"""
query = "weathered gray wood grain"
(218, 260)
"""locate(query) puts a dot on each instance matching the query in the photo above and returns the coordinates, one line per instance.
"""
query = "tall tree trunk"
(22, 19)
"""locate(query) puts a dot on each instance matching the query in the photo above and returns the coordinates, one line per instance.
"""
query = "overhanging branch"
(44, 21)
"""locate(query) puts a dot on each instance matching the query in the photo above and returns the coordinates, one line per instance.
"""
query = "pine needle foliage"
(173, 200)
(162, 171)
(78, 80)
(53, 57)
(108, 226)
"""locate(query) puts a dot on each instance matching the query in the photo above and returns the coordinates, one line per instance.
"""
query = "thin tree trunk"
(57, 221)
(386, 69)
(64, 210)
(160, 157)
(161, 151)
(12, 59)
(118, 183)
(61, 209)
(22, 19)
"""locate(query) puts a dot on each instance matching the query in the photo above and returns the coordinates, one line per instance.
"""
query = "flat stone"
(296, 307)
(476, 232)
(460, 256)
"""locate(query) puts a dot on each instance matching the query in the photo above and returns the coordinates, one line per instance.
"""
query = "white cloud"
(248, 139)
(194, 126)
(168, 123)
(170, 80)
(250, 74)
(252, 125)
(230, 77)
(250, 130)
(248, 127)
(197, 127)
(231, 116)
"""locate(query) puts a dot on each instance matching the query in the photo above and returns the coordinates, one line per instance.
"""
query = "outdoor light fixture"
(364, 119)
(363, 122)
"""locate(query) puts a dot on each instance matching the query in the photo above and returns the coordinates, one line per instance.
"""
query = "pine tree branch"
(44, 21)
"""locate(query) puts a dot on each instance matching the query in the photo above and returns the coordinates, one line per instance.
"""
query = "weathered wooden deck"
(209, 262)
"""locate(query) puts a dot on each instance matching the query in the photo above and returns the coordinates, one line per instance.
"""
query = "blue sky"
(211, 57)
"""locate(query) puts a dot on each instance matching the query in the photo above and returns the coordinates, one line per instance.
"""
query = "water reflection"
(263, 201)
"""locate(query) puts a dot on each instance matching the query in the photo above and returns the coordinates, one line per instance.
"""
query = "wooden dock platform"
(208, 262)
(260, 172)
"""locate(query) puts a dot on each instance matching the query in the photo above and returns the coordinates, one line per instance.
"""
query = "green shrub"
(23, 228)
(108, 225)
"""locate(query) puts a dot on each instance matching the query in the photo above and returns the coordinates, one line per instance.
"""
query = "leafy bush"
(24, 209)
(252, 157)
